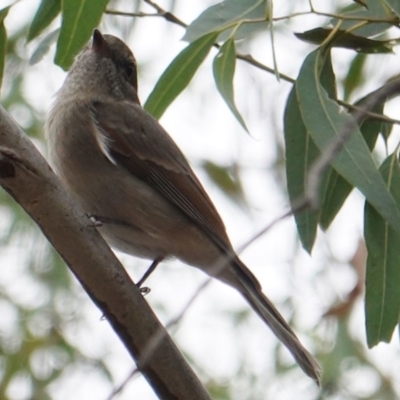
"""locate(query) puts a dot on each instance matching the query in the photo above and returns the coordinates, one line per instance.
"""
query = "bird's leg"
(95, 221)
(147, 274)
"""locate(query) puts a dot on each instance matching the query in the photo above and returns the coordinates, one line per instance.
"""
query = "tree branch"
(28, 178)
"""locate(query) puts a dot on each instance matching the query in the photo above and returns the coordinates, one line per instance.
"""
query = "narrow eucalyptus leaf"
(225, 15)
(325, 121)
(339, 188)
(224, 71)
(301, 152)
(178, 75)
(44, 47)
(382, 300)
(79, 18)
(45, 15)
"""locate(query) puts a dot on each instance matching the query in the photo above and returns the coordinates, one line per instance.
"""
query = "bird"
(128, 173)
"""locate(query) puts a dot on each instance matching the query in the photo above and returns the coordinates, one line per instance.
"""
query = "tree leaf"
(338, 189)
(382, 300)
(222, 15)
(355, 76)
(79, 18)
(244, 31)
(373, 10)
(3, 41)
(301, 152)
(324, 122)
(45, 15)
(230, 185)
(224, 71)
(178, 75)
(394, 6)
(44, 47)
(386, 130)
(347, 40)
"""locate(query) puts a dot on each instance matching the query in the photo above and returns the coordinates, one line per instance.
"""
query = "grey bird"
(127, 172)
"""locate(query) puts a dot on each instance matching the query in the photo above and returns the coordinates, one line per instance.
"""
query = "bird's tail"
(251, 291)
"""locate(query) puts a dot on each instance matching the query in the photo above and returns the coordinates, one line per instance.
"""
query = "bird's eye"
(130, 71)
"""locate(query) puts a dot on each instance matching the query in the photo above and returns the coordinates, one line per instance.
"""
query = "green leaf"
(3, 42)
(394, 6)
(178, 75)
(355, 76)
(386, 130)
(45, 15)
(324, 122)
(79, 18)
(229, 184)
(375, 9)
(44, 47)
(301, 152)
(382, 300)
(224, 71)
(224, 15)
(346, 40)
(245, 30)
(338, 189)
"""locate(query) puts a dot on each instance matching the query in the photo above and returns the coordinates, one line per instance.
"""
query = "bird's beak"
(99, 45)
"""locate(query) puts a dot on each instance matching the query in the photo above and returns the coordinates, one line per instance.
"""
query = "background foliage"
(289, 74)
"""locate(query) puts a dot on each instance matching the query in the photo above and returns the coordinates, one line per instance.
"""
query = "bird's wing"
(133, 139)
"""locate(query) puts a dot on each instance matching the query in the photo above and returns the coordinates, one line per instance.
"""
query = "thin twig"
(251, 60)
(357, 18)
(131, 14)
(369, 114)
(167, 15)
(297, 206)
(337, 16)
(121, 387)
